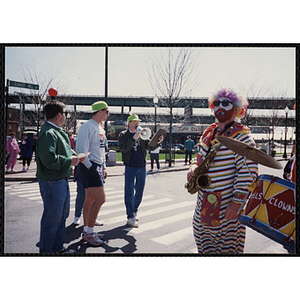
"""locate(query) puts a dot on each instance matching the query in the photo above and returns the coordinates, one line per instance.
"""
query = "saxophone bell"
(203, 181)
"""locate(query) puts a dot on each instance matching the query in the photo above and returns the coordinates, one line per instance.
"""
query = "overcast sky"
(80, 70)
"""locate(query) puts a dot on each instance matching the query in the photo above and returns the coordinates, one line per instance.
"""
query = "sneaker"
(136, 216)
(12, 170)
(150, 170)
(98, 223)
(23, 170)
(158, 170)
(76, 221)
(27, 169)
(100, 235)
(7, 170)
(132, 223)
(92, 238)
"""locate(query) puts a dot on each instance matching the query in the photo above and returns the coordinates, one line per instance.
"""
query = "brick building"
(13, 117)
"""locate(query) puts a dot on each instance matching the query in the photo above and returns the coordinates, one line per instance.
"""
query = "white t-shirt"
(91, 138)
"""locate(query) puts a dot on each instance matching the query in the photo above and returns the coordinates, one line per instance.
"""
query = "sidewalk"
(117, 170)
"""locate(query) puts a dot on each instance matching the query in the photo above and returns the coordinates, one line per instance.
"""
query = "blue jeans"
(56, 201)
(79, 199)
(135, 179)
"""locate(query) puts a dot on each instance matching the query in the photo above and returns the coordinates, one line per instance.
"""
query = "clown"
(215, 223)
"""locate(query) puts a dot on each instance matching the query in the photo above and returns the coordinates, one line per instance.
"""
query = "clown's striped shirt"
(230, 178)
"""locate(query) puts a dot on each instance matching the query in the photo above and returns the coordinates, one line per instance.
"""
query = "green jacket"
(126, 142)
(53, 154)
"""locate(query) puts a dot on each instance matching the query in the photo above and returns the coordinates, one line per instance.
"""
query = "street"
(165, 219)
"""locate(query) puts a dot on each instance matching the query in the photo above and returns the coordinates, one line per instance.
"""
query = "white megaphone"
(145, 133)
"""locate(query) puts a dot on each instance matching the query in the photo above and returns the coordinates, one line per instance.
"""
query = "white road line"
(121, 207)
(150, 212)
(165, 221)
(174, 237)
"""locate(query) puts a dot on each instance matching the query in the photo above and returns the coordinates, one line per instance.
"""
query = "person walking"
(215, 223)
(26, 151)
(189, 145)
(91, 139)
(54, 161)
(12, 149)
(134, 152)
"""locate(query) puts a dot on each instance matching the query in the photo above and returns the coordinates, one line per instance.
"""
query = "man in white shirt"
(91, 138)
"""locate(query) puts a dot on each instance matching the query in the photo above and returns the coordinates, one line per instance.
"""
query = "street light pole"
(155, 101)
(286, 129)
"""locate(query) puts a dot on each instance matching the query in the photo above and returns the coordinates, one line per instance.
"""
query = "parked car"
(113, 143)
(177, 146)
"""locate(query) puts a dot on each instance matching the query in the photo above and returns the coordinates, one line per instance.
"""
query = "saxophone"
(199, 179)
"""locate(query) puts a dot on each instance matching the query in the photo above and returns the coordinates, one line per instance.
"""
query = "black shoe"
(67, 251)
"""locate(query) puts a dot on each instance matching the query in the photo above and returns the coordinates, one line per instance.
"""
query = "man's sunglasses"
(224, 103)
(65, 113)
(107, 111)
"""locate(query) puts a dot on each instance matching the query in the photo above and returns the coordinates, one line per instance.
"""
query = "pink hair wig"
(239, 102)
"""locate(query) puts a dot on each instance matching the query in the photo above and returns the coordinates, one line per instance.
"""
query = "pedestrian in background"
(91, 138)
(134, 153)
(189, 145)
(288, 167)
(34, 145)
(26, 151)
(12, 149)
(216, 225)
(72, 140)
(154, 156)
(54, 165)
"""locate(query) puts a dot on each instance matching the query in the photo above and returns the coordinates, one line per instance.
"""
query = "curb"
(33, 178)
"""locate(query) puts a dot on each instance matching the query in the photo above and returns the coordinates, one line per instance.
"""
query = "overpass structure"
(147, 102)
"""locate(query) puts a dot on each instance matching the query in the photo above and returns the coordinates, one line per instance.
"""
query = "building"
(12, 121)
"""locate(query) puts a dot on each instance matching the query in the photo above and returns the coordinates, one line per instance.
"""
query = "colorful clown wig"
(239, 102)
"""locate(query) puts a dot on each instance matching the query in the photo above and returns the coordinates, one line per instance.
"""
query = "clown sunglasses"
(224, 103)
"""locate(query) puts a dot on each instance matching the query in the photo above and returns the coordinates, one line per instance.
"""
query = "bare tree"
(171, 78)
(38, 98)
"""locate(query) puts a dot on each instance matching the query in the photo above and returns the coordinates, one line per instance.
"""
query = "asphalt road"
(165, 219)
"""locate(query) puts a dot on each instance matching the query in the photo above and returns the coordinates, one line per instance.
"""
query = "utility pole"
(106, 84)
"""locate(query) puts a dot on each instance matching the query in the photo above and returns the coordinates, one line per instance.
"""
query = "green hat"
(133, 118)
(98, 106)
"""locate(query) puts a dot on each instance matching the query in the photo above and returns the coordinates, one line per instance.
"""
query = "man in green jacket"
(134, 157)
(54, 165)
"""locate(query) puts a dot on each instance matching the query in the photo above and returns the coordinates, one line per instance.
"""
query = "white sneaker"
(98, 223)
(136, 216)
(132, 223)
(92, 238)
(76, 221)
(158, 170)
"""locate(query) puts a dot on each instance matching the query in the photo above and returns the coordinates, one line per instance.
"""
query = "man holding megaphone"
(133, 143)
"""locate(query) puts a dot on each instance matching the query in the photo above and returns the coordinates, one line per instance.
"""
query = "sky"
(81, 70)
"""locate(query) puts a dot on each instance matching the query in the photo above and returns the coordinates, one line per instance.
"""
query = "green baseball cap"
(133, 118)
(99, 105)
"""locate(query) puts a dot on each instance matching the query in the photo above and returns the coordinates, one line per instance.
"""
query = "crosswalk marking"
(174, 237)
(114, 211)
(165, 221)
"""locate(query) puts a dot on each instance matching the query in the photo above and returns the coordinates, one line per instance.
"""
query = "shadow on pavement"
(127, 244)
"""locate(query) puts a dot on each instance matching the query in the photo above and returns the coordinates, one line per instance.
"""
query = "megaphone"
(145, 133)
